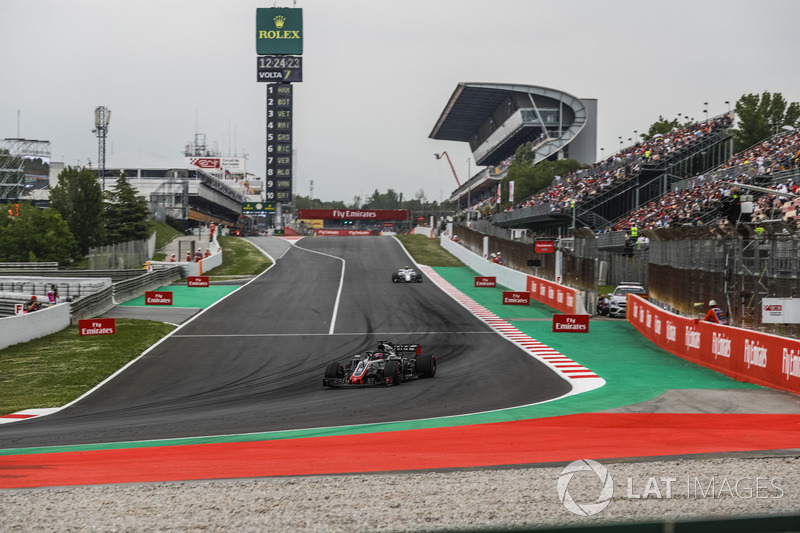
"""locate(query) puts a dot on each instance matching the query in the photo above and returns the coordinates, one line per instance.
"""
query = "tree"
(126, 213)
(661, 126)
(760, 117)
(79, 199)
(529, 178)
(388, 200)
(36, 235)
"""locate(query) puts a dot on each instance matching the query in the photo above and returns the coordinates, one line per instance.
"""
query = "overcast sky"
(377, 75)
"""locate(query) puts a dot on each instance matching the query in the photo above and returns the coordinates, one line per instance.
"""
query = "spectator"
(32, 305)
(52, 294)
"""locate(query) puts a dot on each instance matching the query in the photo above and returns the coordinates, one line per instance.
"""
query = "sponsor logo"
(790, 366)
(354, 214)
(516, 298)
(197, 281)
(672, 331)
(571, 323)
(485, 281)
(692, 338)
(97, 326)
(755, 354)
(158, 298)
(346, 232)
(590, 508)
(204, 162)
(589, 477)
(720, 346)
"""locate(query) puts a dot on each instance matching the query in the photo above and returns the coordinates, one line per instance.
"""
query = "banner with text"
(745, 355)
(97, 326)
(354, 214)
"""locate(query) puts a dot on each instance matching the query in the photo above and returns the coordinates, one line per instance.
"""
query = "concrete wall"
(199, 268)
(23, 328)
(512, 279)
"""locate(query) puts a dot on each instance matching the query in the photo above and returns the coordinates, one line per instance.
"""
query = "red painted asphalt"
(542, 440)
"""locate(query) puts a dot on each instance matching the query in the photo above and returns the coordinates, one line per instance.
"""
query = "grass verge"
(428, 251)
(54, 370)
(239, 258)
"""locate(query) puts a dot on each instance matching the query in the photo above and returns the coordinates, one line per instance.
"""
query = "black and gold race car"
(389, 364)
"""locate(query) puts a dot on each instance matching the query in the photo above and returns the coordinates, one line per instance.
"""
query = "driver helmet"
(377, 355)
(712, 303)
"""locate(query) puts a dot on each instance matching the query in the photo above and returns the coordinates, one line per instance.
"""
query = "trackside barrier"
(750, 356)
(560, 297)
(422, 230)
(23, 328)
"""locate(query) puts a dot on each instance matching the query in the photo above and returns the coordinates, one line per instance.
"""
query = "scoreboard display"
(279, 143)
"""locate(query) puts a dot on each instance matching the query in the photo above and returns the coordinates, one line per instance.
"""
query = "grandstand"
(598, 196)
(495, 119)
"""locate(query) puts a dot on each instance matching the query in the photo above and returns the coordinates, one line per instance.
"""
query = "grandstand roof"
(470, 106)
(495, 119)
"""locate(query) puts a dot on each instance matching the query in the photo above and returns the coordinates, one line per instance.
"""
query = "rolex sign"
(279, 30)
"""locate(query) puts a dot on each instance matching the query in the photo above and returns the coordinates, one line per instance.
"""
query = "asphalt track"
(254, 361)
(655, 405)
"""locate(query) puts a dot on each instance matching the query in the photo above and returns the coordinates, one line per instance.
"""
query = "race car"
(406, 275)
(389, 364)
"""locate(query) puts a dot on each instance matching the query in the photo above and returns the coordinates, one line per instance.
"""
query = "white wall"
(22, 328)
(510, 278)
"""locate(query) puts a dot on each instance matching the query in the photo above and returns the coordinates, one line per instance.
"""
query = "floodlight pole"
(102, 116)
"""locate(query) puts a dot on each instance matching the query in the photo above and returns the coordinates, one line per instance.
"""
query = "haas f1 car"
(406, 275)
(390, 364)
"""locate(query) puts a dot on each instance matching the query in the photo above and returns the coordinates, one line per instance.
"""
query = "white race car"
(406, 275)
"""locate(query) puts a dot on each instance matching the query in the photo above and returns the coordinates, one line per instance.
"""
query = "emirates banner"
(342, 232)
(554, 295)
(745, 355)
(354, 214)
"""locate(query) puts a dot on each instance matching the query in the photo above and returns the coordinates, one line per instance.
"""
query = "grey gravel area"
(430, 501)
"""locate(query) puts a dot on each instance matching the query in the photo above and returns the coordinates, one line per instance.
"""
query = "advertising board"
(743, 354)
(97, 326)
(158, 298)
(279, 30)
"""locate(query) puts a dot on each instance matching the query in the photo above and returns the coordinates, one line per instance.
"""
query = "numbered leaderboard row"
(279, 143)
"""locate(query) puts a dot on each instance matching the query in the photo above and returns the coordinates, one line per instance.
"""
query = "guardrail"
(101, 301)
(42, 265)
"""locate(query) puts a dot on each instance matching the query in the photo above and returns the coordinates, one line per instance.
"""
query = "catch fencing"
(682, 268)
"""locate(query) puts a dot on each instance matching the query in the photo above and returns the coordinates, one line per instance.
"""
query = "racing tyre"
(425, 365)
(393, 371)
(334, 371)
